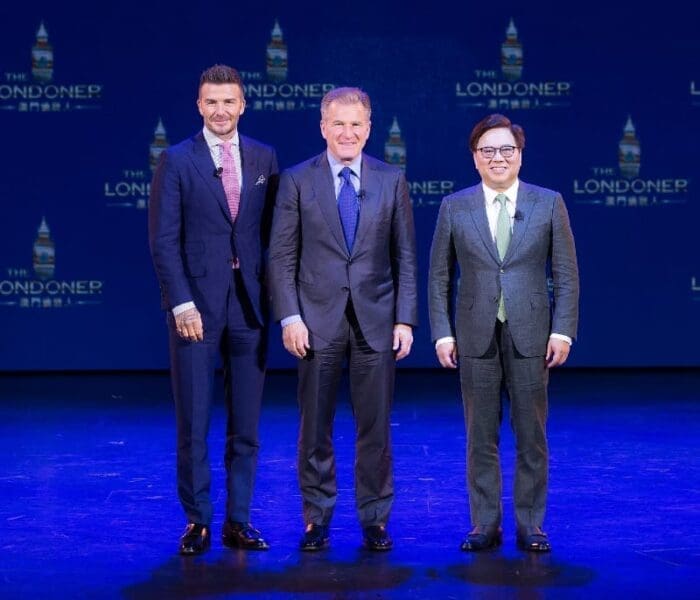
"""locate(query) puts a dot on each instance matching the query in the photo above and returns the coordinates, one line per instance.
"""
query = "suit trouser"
(371, 377)
(525, 380)
(236, 333)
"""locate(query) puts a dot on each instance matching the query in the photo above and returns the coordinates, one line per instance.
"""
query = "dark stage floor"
(89, 508)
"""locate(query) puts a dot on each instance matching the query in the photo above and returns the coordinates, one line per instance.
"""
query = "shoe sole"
(237, 546)
(193, 552)
(492, 546)
(373, 548)
(316, 548)
(534, 549)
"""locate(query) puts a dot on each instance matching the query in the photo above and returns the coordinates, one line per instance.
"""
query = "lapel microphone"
(361, 195)
(218, 171)
(518, 216)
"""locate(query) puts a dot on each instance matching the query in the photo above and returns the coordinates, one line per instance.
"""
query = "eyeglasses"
(488, 152)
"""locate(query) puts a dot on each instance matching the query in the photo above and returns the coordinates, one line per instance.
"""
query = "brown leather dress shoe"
(315, 538)
(195, 540)
(482, 538)
(533, 540)
(377, 539)
(243, 536)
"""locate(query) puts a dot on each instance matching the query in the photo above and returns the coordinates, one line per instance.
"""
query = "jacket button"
(503, 270)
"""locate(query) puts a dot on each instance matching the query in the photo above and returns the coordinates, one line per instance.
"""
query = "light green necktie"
(503, 235)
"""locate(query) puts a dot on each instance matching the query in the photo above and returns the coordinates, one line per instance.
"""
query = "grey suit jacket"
(311, 272)
(541, 236)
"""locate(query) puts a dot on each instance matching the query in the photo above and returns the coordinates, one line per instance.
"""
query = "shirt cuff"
(290, 319)
(445, 340)
(563, 338)
(181, 308)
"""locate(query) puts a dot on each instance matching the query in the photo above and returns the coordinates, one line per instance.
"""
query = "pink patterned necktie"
(229, 177)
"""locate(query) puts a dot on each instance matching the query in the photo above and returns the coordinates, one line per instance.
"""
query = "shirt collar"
(490, 194)
(337, 166)
(213, 141)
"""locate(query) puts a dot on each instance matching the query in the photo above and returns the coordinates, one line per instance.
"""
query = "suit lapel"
(324, 193)
(371, 188)
(201, 158)
(249, 166)
(524, 205)
(481, 221)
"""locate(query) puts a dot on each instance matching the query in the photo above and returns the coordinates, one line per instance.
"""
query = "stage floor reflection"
(89, 507)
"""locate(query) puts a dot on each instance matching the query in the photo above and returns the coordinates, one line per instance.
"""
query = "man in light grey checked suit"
(503, 234)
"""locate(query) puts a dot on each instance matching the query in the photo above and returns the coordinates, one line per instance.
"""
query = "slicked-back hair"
(219, 74)
(496, 121)
(346, 95)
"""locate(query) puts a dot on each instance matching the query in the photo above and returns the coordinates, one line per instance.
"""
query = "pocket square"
(261, 180)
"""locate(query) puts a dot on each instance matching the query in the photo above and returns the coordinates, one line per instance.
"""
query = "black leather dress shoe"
(534, 540)
(315, 538)
(482, 538)
(377, 538)
(243, 536)
(195, 540)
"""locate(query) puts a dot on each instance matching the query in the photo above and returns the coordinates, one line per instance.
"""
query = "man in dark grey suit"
(503, 234)
(343, 282)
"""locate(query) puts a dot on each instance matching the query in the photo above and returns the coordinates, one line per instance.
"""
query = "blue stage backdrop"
(89, 96)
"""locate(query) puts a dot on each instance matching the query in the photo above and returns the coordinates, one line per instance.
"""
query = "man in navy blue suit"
(209, 220)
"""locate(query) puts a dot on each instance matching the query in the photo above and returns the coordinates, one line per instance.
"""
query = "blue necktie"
(348, 207)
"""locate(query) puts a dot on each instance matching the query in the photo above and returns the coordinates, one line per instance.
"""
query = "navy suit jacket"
(313, 274)
(192, 237)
